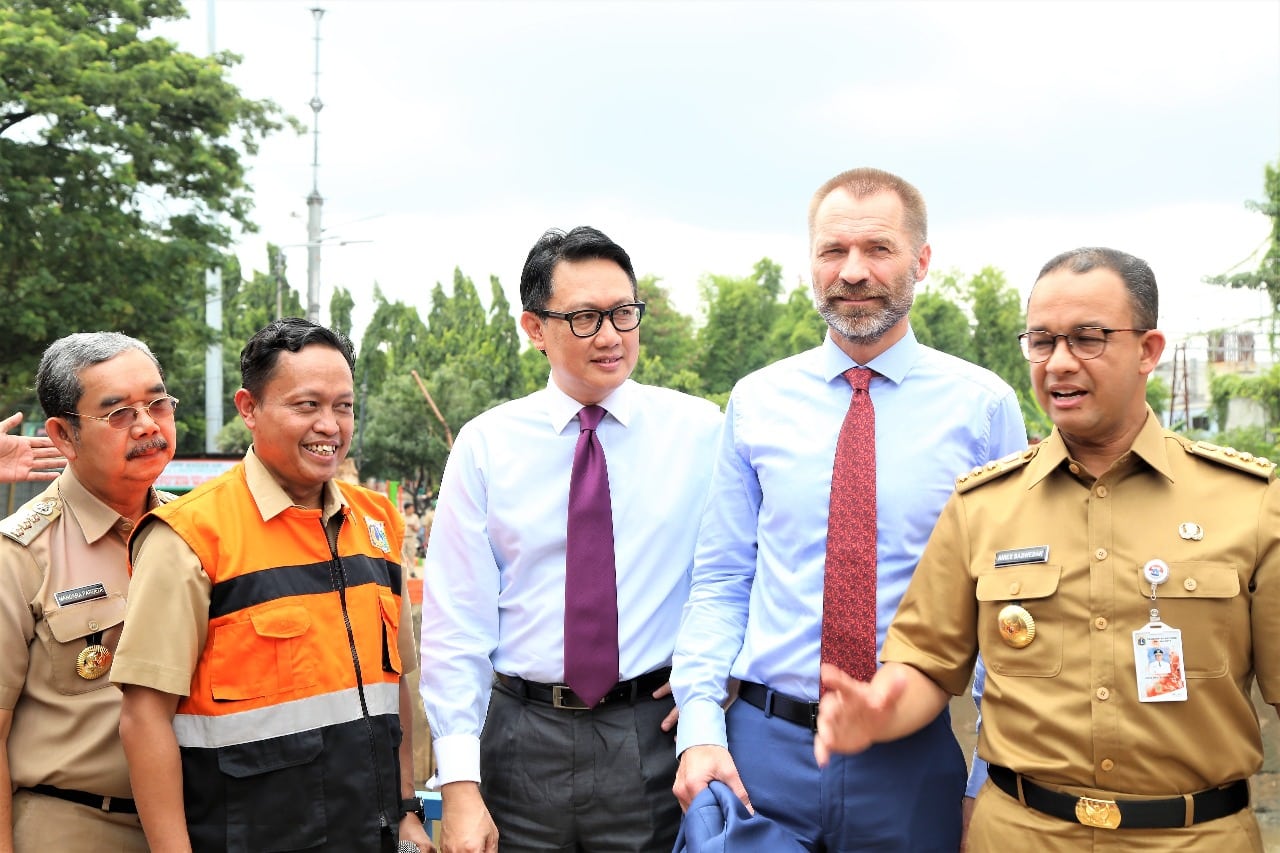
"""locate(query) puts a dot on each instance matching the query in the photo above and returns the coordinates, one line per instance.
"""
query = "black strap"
(1167, 813)
(560, 696)
(119, 805)
(775, 704)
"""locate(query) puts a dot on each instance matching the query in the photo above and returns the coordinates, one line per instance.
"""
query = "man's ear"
(247, 407)
(532, 325)
(64, 436)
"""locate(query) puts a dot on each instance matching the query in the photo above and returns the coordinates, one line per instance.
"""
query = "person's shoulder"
(1227, 457)
(958, 369)
(669, 400)
(32, 518)
(992, 472)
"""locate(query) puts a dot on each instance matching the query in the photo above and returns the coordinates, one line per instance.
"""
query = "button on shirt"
(755, 609)
(493, 592)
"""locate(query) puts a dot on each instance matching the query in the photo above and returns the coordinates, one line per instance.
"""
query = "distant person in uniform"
(1111, 535)
(266, 659)
(64, 579)
(412, 534)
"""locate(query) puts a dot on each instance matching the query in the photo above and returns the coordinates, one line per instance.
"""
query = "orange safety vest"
(290, 734)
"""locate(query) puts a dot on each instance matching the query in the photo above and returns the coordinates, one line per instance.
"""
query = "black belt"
(1167, 813)
(775, 704)
(561, 696)
(120, 805)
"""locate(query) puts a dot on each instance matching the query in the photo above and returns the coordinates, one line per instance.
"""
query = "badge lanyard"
(1157, 648)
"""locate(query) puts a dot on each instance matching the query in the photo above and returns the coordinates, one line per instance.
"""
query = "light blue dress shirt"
(493, 590)
(755, 607)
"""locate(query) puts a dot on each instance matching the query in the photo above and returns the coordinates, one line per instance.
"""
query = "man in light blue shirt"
(755, 608)
(547, 773)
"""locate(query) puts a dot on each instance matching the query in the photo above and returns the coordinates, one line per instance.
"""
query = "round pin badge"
(1017, 627)
(1156, 571)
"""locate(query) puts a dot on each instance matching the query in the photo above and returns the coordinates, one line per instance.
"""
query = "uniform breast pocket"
(263, 655)
(82, 641)
(1034, 589)
(1202, 600)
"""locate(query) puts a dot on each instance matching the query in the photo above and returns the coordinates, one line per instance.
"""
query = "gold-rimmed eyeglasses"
(159, 409)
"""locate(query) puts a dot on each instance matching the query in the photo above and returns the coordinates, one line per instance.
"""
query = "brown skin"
(30, 458)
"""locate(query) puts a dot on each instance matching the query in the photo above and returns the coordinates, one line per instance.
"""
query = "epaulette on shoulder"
(1259, 466)
(995, 470)
(30, 521)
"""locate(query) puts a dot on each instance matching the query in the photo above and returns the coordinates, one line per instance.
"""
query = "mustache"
(146, 447)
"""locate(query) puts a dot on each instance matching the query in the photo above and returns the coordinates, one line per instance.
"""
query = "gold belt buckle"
(1100, 814)
(564, 698)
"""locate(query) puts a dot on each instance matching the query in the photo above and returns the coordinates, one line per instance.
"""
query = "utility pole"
(314, 201)
(213, 319)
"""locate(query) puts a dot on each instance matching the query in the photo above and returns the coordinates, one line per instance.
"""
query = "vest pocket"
(274, 641)
(390, 633)
(275, 793)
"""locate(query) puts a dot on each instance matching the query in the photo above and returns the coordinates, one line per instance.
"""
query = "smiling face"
(865, 268)
(1098, 404)
(587, 369)
(303, 420)
(117, 465)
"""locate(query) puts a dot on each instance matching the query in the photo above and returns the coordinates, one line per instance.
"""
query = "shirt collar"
(893, 364)
(273, 500)
(95, 518)
(562, 409)
(1148, 445)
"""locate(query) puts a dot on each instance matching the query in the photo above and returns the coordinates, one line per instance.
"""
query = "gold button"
(1073, 468)
(1107, 764)
(1015, 588)
(1101, 491)
(1103, 693)
(1190, 584)
(1100, 554)
(126, 525)
(1100, 623)
(93, 626)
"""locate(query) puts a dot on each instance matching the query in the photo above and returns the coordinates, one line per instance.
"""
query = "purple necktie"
(849, 587)
(590, 582)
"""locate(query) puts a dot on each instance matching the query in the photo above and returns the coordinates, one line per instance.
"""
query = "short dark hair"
(58, 376)
(259, 356)
(583, 243)
(864, 182)
(1139, 280)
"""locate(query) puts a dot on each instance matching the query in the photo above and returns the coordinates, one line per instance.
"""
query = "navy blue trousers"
(900, 796)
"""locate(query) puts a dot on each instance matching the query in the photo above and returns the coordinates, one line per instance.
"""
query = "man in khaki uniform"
(63, 582)
(1066, 566)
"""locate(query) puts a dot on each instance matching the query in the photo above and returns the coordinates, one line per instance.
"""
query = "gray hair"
(58, 376)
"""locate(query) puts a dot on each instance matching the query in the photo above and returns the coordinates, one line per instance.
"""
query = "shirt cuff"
(457, 759)
(701, 723)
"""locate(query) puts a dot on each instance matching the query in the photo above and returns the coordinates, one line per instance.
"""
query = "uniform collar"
(1148, 445)
(95, 518)
(561, 408)
(272, 500)
(893, 364)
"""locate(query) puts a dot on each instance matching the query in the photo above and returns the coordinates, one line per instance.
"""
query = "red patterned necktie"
(590, 581)
(849, 586)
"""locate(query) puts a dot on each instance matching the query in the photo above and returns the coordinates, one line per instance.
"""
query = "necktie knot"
(859, 377)
(590, 417)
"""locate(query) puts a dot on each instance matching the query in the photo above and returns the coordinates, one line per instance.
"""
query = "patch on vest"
(378, 534)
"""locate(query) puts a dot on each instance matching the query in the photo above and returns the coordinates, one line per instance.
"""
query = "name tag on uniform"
(1020, 556)
(80, 594)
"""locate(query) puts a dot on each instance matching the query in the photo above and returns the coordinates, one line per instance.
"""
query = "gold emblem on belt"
(1100, 814)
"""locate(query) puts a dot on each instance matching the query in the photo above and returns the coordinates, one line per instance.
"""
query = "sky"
(452, 134)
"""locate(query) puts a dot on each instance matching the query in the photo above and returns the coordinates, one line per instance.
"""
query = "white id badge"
(1161, 670)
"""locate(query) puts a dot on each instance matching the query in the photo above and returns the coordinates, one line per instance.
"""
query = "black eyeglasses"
(588, 321)
(159, 409)
(1085, 342)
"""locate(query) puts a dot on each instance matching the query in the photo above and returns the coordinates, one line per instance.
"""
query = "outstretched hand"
(852, 714)
(24, 457)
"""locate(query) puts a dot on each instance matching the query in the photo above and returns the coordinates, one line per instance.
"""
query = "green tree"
(341, 304)
(121, 175)
(1158, 395)
(797, 326)
(1267, 275)
(942, 324)
(740, 315)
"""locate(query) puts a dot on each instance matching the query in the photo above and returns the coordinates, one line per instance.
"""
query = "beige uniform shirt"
(171, 611)
(68, 545)
(1064, 710)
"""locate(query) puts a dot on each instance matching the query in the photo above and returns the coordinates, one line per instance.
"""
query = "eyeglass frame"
(1071, 339)
(137, 411)
(568, 316)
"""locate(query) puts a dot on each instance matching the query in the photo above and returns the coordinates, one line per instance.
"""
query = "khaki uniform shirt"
(171, 613)
(1064, 710)
(64, 730)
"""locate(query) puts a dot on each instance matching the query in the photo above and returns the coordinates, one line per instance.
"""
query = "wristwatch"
(413, 805)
